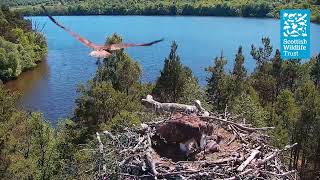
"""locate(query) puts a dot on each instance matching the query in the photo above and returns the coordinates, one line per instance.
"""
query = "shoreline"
(23, 74)
(159, 15)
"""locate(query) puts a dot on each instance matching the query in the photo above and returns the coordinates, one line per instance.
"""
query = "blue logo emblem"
(295, 33)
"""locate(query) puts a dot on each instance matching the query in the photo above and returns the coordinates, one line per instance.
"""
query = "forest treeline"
(21, 48)
(280, 93)
(245, 8)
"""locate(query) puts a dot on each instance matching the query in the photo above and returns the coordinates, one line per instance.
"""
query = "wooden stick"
(253, 154)
(218, 161)
(241, 174)
(279, 175)
(273, 155)
(232, 140)
(238, 134)
(100, 142)
(151, 164)
(109, 134)
(236, 124)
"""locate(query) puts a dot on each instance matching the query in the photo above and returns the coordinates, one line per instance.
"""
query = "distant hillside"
(246, 8)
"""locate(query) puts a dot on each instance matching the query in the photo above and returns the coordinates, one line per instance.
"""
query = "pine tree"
(168, 85)
(262, 54)
(287, 114)
(306, 134)
(239, 73)
(119, 69)
(218, 89)
(315, 71)
(115, 88)
(277, 70)
(248, 105)
(291, 74)
(176, 82)
(262, 79)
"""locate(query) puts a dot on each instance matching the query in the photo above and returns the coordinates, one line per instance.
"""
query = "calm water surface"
(51, 87)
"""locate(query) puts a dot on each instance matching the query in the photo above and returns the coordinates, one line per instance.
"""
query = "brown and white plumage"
(183, 130)
(99, 51)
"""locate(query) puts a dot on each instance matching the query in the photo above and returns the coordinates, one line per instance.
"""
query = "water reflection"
(28, 80)
(27, 83)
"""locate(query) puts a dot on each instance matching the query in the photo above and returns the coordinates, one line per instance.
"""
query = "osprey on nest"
(185, 130)
(99, 51)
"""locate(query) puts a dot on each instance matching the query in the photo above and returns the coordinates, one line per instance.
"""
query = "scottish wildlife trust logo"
(295, 33)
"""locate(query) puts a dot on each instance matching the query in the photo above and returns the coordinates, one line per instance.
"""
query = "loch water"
(51, 87)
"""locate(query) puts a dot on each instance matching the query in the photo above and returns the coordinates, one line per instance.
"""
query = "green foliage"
(67, 137)
(176, 82)
(262, 54)
(34, 150)
(239, 74)
(114, 90)
(251, 109)
(99, 103)
(264, 79)
(287, 114)
(283, 94)
(27, 143)
(20, 48)
(218, 84)
(307, 128)
(122, 121)
(315, 70)
(119, 69)
(293, 74)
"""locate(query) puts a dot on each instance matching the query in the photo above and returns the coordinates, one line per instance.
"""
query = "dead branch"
(236, 124)
(279, 175)
(100, 143)
(253, 155)
(151, 164)
(274, 154)
(149, 102)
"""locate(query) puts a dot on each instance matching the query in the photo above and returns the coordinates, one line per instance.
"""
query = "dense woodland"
(280, 93)
(20, 47)
(246, 8)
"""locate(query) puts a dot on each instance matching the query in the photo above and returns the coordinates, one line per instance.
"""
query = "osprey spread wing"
(99, 51)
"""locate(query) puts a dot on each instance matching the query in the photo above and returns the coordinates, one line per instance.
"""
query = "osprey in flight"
(99, 51)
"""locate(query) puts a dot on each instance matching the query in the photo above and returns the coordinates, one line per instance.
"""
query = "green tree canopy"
(119, 69)
(239, 73)
(218, 89)
(20, 47)
(176, 82)
(315, 70)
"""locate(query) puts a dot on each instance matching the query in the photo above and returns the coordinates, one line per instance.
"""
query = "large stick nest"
(243, 153)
